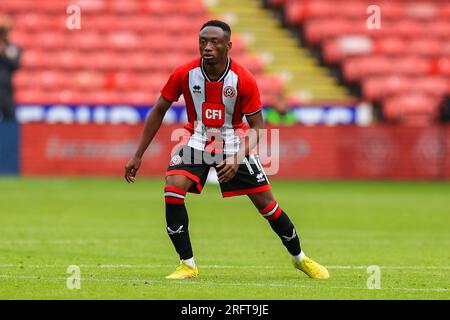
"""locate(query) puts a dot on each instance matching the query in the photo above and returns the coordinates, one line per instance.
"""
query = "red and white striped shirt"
(214, 108)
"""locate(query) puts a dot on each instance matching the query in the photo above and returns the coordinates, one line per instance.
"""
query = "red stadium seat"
(87, 40)
(336, 49)
(51, 7)
(123, 41)
(51, 80)
(23, 80)
(356, 68)
(142, 62)
(252, 63)
(15, 7)
(109, 61)
(440, 66)
(379, 87)
(104, 97)
(375, 88)
(125, 7)
(194, 8)
(390, 63)
(87, 80)
(135, 23)
(50, 40)
(269, 84)
(23, 38)
(434, 86)
(151, 82)
(32, 59)
(414, 109)
(124, 52)
(102, 23)
(32, 22)
(32, 96)
(121, 81)
(140, 97)
(391, 45)
(93, 7)
(69, 60)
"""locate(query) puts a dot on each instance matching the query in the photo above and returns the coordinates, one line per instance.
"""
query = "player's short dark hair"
(217, 23)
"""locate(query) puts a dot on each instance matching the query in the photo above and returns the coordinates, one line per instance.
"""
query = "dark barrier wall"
(9, 148)
(305, 152)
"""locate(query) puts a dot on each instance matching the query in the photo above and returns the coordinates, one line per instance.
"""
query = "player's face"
(214, 44)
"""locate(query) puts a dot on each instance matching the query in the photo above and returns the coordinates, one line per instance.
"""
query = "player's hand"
(131, 169)
(227, 170)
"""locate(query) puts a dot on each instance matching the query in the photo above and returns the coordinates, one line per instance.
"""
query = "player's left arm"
(230, 165)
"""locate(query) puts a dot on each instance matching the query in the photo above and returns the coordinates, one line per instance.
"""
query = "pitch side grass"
(115, 234)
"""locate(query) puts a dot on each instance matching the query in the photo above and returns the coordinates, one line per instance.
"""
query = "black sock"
(178, 222)
(283, 227)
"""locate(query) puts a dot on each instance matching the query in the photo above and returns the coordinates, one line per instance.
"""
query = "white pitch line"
(6, 276)
(116, 241)
(213, 283)
(211, 266)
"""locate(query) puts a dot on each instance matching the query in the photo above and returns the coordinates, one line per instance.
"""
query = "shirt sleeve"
(172, 90)
(250, 98)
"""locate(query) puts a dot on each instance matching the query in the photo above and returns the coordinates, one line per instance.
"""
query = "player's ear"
(229, 45)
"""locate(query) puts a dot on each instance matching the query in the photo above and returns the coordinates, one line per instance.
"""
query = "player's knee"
(179, 181)
(272, 211)
(174, 195)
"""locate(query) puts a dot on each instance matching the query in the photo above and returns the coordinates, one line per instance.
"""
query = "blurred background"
(357, 95)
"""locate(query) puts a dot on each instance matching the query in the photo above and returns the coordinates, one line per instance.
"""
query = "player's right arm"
(169, 94)
(151, 127)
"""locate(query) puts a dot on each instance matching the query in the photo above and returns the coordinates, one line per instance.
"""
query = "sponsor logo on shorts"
(260, 177)
(176, 160)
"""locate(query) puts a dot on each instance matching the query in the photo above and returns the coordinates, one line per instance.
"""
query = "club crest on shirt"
(229, 92)
(176, 160)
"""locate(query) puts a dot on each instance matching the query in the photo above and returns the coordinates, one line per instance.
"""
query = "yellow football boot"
(311, 268)
(183, 271)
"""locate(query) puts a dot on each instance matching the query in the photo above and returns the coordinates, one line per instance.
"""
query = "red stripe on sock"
(269, 207)
(175, 189)
(173, 200)
(275, 215)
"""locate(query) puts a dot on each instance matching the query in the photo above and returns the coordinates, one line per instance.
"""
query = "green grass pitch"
(116, 234)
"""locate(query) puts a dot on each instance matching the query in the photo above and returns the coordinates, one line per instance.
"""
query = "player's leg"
(278, 220)
(178, 225)
(182, 177)
(251, 180)
(176, 214)
(284, 228)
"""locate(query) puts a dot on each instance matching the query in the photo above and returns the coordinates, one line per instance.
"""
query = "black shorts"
(195, 165)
